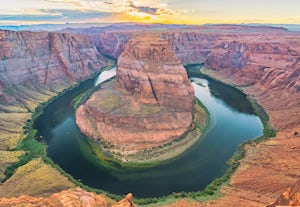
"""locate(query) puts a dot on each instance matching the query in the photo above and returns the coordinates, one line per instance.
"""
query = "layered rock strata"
(149, 104)
(35, 66)
(267, 67)
(67, 198)
(290, 197)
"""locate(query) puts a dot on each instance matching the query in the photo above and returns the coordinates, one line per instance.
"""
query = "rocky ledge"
(67, 198)
(148, 105)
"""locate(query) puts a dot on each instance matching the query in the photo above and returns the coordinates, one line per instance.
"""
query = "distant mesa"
(148, 105)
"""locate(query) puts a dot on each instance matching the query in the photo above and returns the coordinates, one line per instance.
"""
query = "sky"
(24, 12)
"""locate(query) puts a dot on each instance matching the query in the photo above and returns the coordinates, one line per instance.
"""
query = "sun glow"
(149, 11)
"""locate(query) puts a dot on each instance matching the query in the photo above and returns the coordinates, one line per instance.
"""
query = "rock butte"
(149, 104)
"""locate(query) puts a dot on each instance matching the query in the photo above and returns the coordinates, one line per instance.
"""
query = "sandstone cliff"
(35, 67)
(47, 59)
(266, 66)
(111, 43)
(149, 105)
(191, 44)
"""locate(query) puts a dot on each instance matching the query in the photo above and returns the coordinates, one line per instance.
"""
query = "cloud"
(94, 11)
(144, 9)
(106, 2)
(129, 7)
(77, 3)
(59, 15)
(85, 5)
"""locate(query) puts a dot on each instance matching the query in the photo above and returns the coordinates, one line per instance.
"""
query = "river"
(232, 122)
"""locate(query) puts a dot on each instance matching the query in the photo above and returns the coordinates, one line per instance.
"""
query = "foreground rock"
(291, 197)
(150, 104)
(67, 198)
(126, 202)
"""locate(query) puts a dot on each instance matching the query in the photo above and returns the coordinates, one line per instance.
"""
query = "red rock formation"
(150, 104)
(34, 66)
(42, 60)
(112, 43)
(46, 58)
(148, 67)
(270, 65)
(291, 197)
(191, 44)
(266, 67)
(126, 202)
(67, 198)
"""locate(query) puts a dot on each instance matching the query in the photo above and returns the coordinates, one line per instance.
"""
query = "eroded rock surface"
(267, 67)
(150, 103)
(290, 197)
(68, 198)
(35, 66)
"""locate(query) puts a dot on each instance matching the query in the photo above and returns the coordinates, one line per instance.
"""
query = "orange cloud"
(124, 10)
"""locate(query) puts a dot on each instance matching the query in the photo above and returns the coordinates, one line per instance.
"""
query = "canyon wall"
(35, 67)
(46, 59)
(190, 47)
(266, 66)
(191, 44)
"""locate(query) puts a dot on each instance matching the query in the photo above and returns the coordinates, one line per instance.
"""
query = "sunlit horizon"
(31, 12)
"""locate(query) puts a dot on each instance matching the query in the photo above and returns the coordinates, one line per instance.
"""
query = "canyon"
(148, 105)
(261, 61)
(35, 67)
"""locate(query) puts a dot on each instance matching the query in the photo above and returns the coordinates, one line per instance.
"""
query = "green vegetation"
(194, 69)
(37, 179)
(84, 96)
(33, 149)
(76, 102)
(269, 131)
